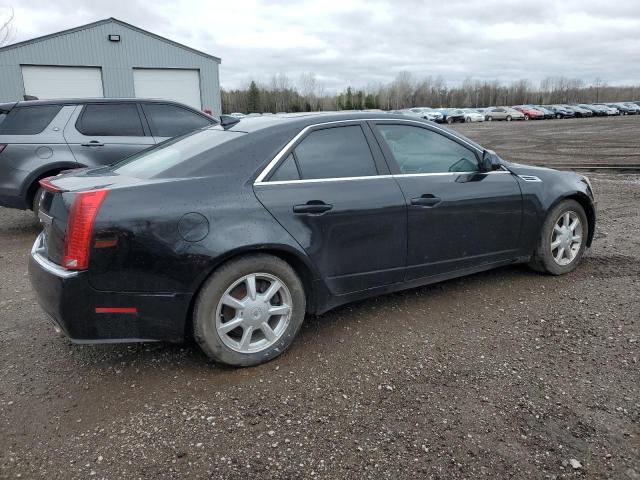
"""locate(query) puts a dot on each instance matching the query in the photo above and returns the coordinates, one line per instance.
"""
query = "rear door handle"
(93, 143)
(426, 200)
(313, 206)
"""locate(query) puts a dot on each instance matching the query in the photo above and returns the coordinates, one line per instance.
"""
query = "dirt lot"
(505, 374)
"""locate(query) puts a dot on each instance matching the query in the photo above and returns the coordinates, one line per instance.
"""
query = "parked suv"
(41, 138)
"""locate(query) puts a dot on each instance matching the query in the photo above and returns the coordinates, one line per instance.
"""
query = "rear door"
(104, 133)
(333, 193)
(458, 217)
(167, 120)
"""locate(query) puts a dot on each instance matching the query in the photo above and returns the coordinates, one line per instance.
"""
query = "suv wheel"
(563, 239)
(249, 311)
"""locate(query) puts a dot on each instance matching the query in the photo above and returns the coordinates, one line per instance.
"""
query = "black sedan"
(231, 234)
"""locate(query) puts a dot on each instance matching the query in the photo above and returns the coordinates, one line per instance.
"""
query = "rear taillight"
(80, 228)
(2, 146)
(46, 184)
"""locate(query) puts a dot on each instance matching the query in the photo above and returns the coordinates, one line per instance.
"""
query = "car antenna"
(227, 121)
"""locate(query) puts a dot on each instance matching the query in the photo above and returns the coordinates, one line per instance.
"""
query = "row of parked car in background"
(515, 112)
(522, 112)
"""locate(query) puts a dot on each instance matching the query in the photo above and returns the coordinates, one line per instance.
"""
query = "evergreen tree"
(253, 98)
(370, 102)
(348, 104)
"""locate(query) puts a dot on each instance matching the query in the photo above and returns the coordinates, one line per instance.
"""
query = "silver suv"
(41, 138)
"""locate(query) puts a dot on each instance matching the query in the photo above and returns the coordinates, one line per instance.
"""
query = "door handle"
(426, 200)
(93, 143)
(312, 206)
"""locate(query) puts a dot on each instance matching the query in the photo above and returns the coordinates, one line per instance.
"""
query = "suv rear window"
(110, 120)
(172, 121)
(28, 120)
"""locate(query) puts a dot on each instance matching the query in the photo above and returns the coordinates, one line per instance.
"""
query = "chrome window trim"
(37, 253)
(371, 177)
(267, 170)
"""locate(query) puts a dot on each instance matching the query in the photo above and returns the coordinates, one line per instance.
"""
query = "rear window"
(28, 120)
(172, 121)
(110, 120)
(171, 159)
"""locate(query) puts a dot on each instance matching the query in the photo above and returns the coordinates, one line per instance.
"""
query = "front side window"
(172, 121)
(28, 120)
(418, 150)
(110, 120)
(335, 153)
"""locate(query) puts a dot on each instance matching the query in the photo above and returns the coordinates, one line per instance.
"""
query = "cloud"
(362, 42)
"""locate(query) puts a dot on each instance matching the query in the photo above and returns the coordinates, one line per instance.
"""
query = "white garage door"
(179, 85)
(62, 82)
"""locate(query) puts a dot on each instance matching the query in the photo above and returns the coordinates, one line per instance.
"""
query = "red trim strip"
(129, 310)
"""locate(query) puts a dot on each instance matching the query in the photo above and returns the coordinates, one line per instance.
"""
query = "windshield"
(169, 158)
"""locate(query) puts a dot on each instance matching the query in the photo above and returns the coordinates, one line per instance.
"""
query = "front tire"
(449, 120)
(249, 311)
(508, 118)
(563, 239)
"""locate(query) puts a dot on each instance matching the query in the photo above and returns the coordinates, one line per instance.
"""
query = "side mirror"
(490, 161)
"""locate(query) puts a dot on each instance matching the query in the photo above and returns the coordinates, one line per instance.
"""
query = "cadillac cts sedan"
(232, 233)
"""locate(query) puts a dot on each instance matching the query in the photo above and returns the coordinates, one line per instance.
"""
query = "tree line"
(281, 94)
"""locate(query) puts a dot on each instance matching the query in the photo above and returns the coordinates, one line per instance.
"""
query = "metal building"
(109, 58)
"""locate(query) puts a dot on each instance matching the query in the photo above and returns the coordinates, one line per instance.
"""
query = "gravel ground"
(504, 374)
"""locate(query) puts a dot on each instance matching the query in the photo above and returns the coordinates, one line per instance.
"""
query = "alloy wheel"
(253, 313)
(566, 238)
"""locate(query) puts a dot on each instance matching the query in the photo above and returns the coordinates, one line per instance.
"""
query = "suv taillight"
(80, 228)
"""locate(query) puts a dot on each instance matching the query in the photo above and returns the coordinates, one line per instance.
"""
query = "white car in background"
(425, 112)
(472, 115)
(609, 110)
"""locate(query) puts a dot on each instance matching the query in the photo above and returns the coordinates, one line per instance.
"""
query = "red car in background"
(530, 113)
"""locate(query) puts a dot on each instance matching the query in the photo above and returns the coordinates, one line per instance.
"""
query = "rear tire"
(508, 119)
(468, 119)
(559, 232)
(489, 119)
(227, 297)
(35, 203)
(526, 117)
(449, 120)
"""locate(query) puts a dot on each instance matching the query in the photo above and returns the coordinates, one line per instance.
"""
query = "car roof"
(82, 101)
(295, 120)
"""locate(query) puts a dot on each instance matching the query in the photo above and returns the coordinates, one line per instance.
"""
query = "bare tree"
(7, 30)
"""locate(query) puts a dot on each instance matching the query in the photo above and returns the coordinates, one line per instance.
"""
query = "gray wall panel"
(90, 47)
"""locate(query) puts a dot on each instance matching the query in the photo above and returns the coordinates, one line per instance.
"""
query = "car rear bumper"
(78, 310)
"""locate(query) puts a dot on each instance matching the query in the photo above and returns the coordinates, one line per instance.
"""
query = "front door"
(104, 133)
(458, 217)
(331, 192)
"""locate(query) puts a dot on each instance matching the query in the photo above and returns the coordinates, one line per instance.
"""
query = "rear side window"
(28, 120)
(335, 153)
(172, 121)
(110, 120)
(286, 171)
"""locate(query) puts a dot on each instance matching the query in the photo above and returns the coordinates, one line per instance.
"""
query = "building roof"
(102, 22)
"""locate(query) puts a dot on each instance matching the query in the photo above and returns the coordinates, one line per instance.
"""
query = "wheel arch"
(31, 183)
(589, 209)
(299, 262)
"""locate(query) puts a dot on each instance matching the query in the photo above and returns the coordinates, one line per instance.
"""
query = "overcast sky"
(361, 42)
